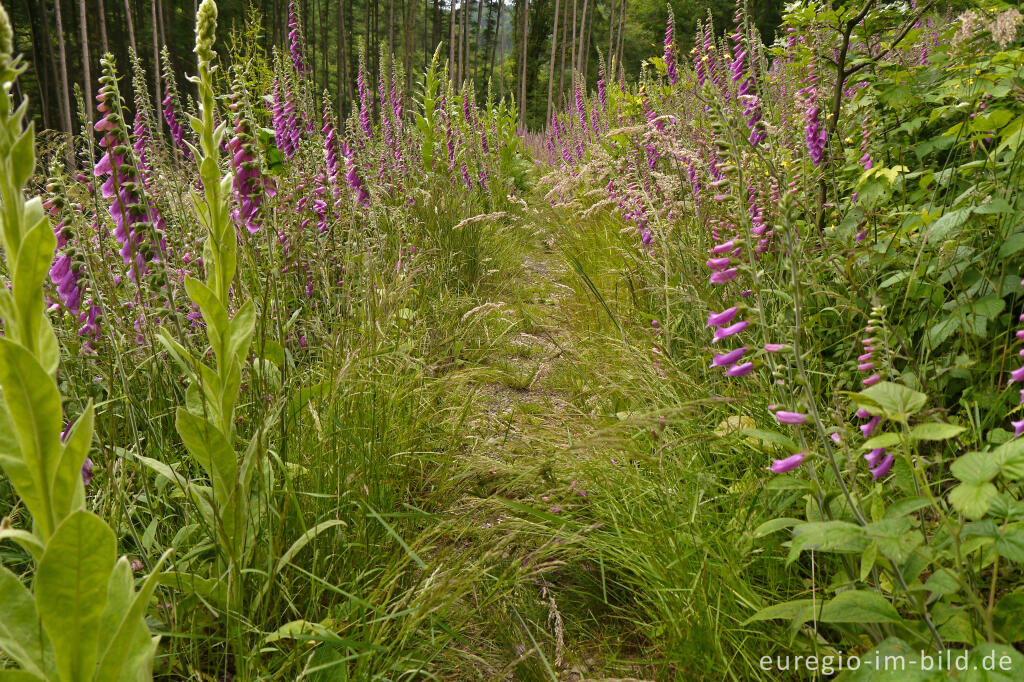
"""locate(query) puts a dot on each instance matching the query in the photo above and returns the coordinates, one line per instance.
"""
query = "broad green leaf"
(769, 527)
(71, 591)
(242, 327)
(29, 542)
(972, 499)
(858, 606)
(976, 467)
(1010, 456)
(209, 447)
(33, 404)
(18, 676)
(1007, 617)
(786, 610)
(942, 582)
(906, 506)
(23, 157)
(827, 536)
(1011, 545)
(935, 431)
(990, 662)
(68, 489)
(30, 271)
(21, 636)
(882, 440)
(132, 620)
(892, 400)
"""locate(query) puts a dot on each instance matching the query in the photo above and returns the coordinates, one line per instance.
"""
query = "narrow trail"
(536, 417)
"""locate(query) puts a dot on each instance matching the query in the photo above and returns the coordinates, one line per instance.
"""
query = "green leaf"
(935, 431)
(972, 499)
(827, 536)
(213, 452)
(989, 662)
(30, 271)
(68, 489)
(882, 440)
(71, 590)
(949, 221)
(892, 400)
(215, 591)
(21, 636)
(769, 527)
(1010, 456)
(771, 437)
(942, 582)
(23, 157)
(893, 660)
(1011, 546)
(906, 506)
(859, 606)
(242, 327)
(1006, 617)
(119, 649)
(29, 542)
(34, 406)
(786, 610)
(976, 467)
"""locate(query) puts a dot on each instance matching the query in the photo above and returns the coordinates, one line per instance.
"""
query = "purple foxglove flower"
(869, 427)
(740, 370)
(730, 358)
(295, 39)
(724, 247)
(724, 317)
(781, 466)
(718, 263)
(872, 380)
(670, 57)
(874, 457)
(724, 276)
(865, 366)
(785, 417)
(724, 332)
(87, 471)
(775, 347)
(1017, 375)
(884, 467)
(1018, 428)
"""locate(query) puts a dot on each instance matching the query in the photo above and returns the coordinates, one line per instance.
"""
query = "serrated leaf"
(892, 400)
(975, 467)
(1011, 546)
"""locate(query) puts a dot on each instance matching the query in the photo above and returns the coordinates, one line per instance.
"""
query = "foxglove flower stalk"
(364, 97)
(171, 105)
(122, 187)
(295, 40)
(331, 150)
(352, 177)
(815, 134)
(248, 183)
(670, 56)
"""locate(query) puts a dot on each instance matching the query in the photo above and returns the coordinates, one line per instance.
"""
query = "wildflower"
(785, 417)
(741, 370)
(728, 359)
(723, 332)
(295, 40)
(724, 317)
(670, 57)
(775, 347)
(781, 466)
(883, 467)
(170, 105)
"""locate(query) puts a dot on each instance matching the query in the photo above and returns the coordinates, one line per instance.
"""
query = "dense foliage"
(251, 348)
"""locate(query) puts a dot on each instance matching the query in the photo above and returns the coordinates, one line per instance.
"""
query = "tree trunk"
(451, 42)
(83, 27)
(63, 59)
(551, 68)
(131, 25)
(618, 49)
(579, 42)
(522, 82)
(104, 43)
(611, 30)
(477, 44)
(561, 67)
(157, 111)
(572, 43)
(41, 59)
(501, 67)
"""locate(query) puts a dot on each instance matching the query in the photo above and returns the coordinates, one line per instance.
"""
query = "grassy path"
(535, 426)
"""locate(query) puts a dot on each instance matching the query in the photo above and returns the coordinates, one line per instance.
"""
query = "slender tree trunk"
(579, 41)
(161, 15)
(131, 25)
(561, 66)
(42, 59)
(104, 43)
(342, 65)
(477, 44)
(572, 42)
(63, 57)
(83, 27)
(522, 81)
(618, 49)
(324, 51)
(157, 112)
(501, 67)
(451, 44)
(611, 29)
(551, 68)
(586, 43)
(391, 32)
